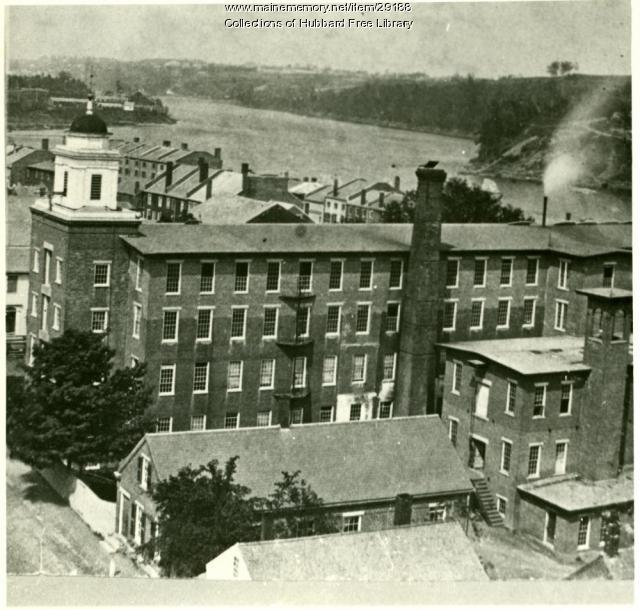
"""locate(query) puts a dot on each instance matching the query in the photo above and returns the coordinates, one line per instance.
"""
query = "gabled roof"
(227, 209)
(18, 153)
(344, 463)
(179, 173)
(436, 552)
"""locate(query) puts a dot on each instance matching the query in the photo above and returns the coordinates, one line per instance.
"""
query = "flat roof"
(612, 294)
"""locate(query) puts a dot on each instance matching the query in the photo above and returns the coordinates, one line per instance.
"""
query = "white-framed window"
(170, 322)
(450, 314)
(48, 257)
(300, 372)
(477, 314)
(273, 276)
(303, 317)
(549, 534)
(608, 275)
(454, 422)
(334, 315)
(263, 419)
(504, 312)
(296, 416)
(270, 323)
(453, 268)
(207, 277)
(133, 363)
(241, 280)
(506, 271)
(529, 312)
(267, 373)
(456, 378)
(329, 370)
(198, 422)
(34, 304)
(238, 323)
(352, 522)
(566, 397)
(396, 273)
(562, 447)
(505, 456)
(393, 317)
(305, 276)
(501, 505)
(512, 393)
(58, 275)
(57, 316)
(436, 512)
(366, 274)
(101, 273)
(584, 528)
(166, 385)
(389, 367)
(539, 399)
(560, 321)
(137, 320)
(32, 349)
(234, 376)
(483, 389)
(335, 275)
(563, 274)
(231, 420)
(363, 312)
(99, 320)
(385, 409)
(36, 261)
(531, 279)
(204, 324)
(174, 273)
(355, 411)
(359, 374)
(137, 515)
(480, 273)
(533, 462)
(139, 269)
(143, 471)
(327, 414)
(45, 312)
(201, 378)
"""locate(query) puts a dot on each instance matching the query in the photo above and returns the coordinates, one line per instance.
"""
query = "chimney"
(136, 139)
(168, 175)
(244, 169)
(314, 179)
(203, 167)
(567, 216)
(363, 197)
(396, 183)
(402, 509)
(381, 200)
(335, 187)
(217, 153)
(417, 366)
(64, 140)
(166, 143)
(209, 187)
(184, 146)
(305, 179)
(545, 201)
(45, 143)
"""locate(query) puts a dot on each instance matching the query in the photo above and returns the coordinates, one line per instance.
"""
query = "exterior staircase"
(487, 503)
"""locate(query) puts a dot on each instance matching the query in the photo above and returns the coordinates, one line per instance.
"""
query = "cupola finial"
(90, 104)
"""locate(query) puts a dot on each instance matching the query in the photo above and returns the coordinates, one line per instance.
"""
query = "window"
(549, 535)
(389, 367)
(170, 325)
(45, 312)
(231, 420)
(99, 320)
(501, 506)
(65, 183)
(335, 275)
(300, 372)
(204, 324)
(529, 312)
(143, 472)
(270, 326)
(173, 278)
(201, 378)
(10, 320)
(362, 318)
(563, 274)
(355, 412)
(366, 275)
(302, 321)
(241, 282)
(436, 512)
(134, 362)
(395, 274)
(273, 276)
(267, 374)
(12, 283)
(238, 322)
(198, 422)
(57, 317)
(385, 409)
(608, 275)
(295, 416)
(566, 397)
(96, 187)
(36, 261)
(101, 273)
(234, 376)
(561, 457)
(512, 391)
(482, 399)
(393, 317)
(32, 349)
(305, 271)
(137, 320)
(351, 522)
(48, 256)
(207, 277)
(457, 377)
(326, 414)
(450, 310)
(561, 315)
(477, 314)
(264, 419)
(333, 319)
(453, 265)
(139, 268)
(480, 272)
(533, 465)
(506, 267)
(359, 368)
(58, 278)
(505, 456)
(34, 304)
(167, 380)
(539, 400)
(453, 431)
(329, 370)
(532, 272)
(583, 533)
(504, 311)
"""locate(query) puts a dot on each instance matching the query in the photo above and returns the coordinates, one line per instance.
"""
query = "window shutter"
(148, 467)
(140, 467)
(132, 522)
(143, 526)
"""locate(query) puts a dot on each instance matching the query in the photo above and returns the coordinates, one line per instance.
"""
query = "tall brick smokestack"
(417, 365)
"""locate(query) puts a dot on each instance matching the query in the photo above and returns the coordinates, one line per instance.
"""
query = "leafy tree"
(202, 512)
(566, 67)
(553, 68)
(74, 406)
(399, 211)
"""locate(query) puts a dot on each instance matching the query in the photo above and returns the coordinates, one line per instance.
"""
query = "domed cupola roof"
(89, 123)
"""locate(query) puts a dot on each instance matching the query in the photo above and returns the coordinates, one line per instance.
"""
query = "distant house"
(436, 552)
(19, 159)
(371, 474)
(41, 173)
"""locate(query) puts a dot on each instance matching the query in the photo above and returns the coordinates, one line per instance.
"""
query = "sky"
(487, 39)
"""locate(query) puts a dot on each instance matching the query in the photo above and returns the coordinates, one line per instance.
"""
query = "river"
(275, 142)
